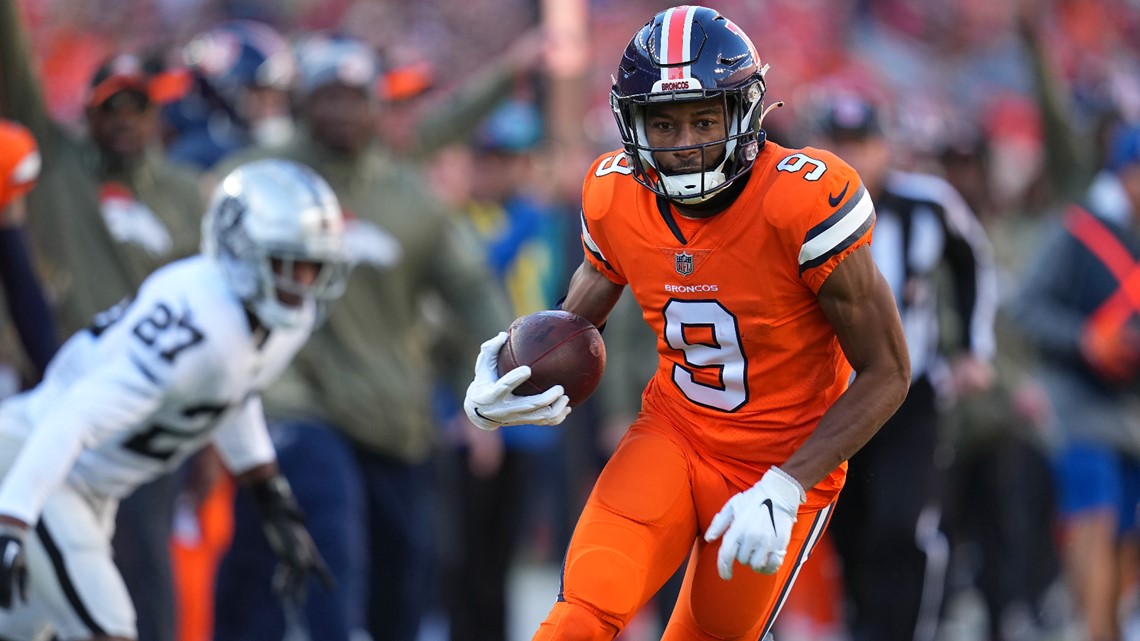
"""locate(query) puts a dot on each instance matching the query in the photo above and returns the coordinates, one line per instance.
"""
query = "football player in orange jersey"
(751, 262)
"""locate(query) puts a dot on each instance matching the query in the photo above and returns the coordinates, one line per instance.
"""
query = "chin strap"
(759, 123)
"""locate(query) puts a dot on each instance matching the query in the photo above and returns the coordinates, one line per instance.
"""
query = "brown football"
(561, 348)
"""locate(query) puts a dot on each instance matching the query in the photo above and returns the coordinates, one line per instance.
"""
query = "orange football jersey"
(19, 161)
(748, 360)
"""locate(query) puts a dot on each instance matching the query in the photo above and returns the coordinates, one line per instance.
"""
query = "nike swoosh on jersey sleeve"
(839, 231)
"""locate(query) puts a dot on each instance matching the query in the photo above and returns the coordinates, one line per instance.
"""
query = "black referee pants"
(886, 527)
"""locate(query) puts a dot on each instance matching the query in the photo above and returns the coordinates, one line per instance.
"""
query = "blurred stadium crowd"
(486, 115)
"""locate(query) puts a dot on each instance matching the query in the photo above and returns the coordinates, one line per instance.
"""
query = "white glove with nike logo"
(491, 401)
(757, 524)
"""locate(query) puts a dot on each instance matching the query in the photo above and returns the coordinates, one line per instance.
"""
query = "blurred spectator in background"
(887, 525)
(355, 433)
(243, 72)
(19, 167)
(1076, 309)
(420, 118)
(108, 210)
(1000, 497)
(504, 476)
(1031, 154)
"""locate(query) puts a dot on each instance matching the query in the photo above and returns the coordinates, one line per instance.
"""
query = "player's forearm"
(860, 307)
(591, 295)
(849, 423)
(95, 408)
(42, 466)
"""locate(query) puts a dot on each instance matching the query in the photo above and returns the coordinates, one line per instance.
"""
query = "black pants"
(143, 529)
(371, 517)
(496, 518)
(1001, 505)
(886, 527)
(489, 509)
(401, 538)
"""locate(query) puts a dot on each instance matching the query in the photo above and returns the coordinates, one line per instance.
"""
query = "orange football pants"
(648, 510)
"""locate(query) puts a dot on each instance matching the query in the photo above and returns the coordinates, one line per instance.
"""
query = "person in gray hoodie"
(1075, 306)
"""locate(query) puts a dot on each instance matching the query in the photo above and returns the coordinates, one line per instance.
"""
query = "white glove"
(491, 401)
(758, 523)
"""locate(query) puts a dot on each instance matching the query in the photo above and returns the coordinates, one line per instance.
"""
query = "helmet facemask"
(276, 231)
(740, 146)
(285, 297)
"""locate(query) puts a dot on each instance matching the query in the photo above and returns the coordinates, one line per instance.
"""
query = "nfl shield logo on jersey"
(683, 263)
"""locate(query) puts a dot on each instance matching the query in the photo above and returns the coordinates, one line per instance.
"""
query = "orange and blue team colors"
(19, 162)
(748, 358)
(748, 365)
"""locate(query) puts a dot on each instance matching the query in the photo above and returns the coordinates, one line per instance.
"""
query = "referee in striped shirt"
(887, 525)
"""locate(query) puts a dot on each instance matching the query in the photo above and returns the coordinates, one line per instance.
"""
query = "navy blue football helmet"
(689, 53)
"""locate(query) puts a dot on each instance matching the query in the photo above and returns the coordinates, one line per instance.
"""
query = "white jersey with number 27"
(151, 382)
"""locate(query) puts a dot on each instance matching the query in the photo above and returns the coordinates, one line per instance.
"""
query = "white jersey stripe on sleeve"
(838, 228)
(589, 242)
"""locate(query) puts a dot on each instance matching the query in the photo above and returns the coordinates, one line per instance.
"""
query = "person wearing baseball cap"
(110, 209)
(339, 90)
(362, 419)
(850, 116)
(120, 74)
(325, 61)
(122, 100)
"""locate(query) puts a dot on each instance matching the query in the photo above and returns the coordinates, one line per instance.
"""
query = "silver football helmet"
(270, 222)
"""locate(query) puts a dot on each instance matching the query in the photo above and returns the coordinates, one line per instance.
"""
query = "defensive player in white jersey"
(151, 382)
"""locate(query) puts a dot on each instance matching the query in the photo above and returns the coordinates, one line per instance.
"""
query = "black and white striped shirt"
(923, 224)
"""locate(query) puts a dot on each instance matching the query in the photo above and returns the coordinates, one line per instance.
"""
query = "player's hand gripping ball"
(561, 348)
